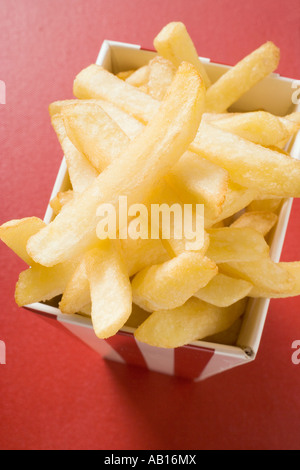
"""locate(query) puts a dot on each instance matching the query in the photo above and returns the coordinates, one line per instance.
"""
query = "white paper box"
(200, 359)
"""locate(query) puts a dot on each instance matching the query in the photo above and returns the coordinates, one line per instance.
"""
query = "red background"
(56, 393)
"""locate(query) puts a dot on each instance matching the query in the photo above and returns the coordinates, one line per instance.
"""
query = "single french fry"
(61, 199)
(110, 289)
(237, 198)
(293, 269)
(236, 244)
(171, 284)
(243, 76)
(94, 133)
(95, 82)
(190, 322)
(175, 44)
(161, 74)
(138, 254)
(125, 74)
(133, 175)
(16, 233)
(259, 127)
(249, 164)
(38, 283)
(139, 77)
(76, 295)
(56, 107)
(224, 291)
(81, 172)
(131, 126)
(261, 221)
(198, 181)
(264, 274)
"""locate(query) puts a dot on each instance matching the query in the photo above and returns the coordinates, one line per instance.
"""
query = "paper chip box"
(200, 359)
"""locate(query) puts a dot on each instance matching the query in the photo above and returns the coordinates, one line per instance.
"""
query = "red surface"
(56, 393)
(191, 361)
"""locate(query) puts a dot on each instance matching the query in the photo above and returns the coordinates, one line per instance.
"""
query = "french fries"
(224, 291)
(94, 133)
(191, 321)
(249, 164)
(110, 289)
(80, 170)
(243, 76)
(133, 175)
(174, 43)
(16, 233)
(171, 284)
(261, 221)
(163, 135)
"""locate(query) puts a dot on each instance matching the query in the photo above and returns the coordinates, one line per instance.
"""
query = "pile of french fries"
(162, 134)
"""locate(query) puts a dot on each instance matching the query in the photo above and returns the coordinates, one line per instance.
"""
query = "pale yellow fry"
(96, 82)
(249, 164)
(38, 283)
(139, 77)
(110, 290)
(236, 244)
(236, 199)
(261, 221)
(76, 295)
(125, 74)
(259, 127)
(94, 133)
(56, 107)
(146, 160)
(266, 205)
(131, 126)
(293, 269)
(161, 74)
(223, 290)
(170, 284)
(175, 44)
(16, 233)
(199, 181)
(125, 121)
(264, 274)
(243, 76)
(81, 172)
(61, 199)
(294, 117)
(191, 322)
(138, 254)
